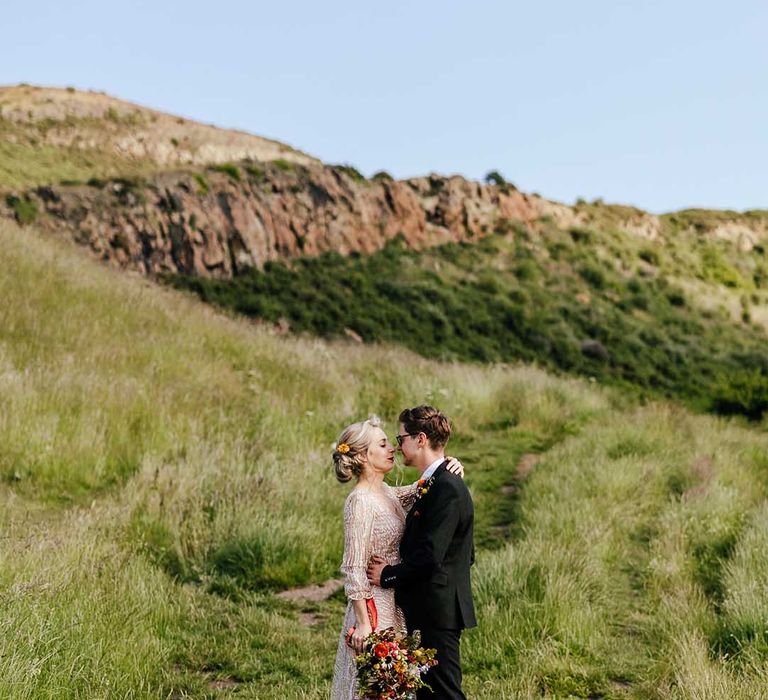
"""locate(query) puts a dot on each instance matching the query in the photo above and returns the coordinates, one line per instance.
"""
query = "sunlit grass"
(165, 469)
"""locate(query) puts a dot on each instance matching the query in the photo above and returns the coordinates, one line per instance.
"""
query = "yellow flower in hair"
(343, 448)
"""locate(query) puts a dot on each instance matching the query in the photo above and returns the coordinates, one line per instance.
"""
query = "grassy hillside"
(59, 135)
(165, 471)
(684, 317)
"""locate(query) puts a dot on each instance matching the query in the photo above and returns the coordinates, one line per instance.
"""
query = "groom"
(432, 581)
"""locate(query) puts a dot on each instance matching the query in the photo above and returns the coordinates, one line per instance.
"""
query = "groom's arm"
(437, 525)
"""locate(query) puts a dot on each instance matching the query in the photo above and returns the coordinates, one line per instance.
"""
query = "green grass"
(26, 163)
(232, 171)
(578, 301)
(166, 468)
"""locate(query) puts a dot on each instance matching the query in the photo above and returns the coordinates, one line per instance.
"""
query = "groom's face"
(408, 446)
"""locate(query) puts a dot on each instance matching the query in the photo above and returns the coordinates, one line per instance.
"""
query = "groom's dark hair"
(428, 420)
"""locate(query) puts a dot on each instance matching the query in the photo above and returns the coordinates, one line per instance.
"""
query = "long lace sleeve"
(358, 544)
(406, 495)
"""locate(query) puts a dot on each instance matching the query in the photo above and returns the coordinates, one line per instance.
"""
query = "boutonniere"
(422, 487)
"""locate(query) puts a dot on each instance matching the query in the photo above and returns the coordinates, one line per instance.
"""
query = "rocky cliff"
(219, 221)
(166, 194)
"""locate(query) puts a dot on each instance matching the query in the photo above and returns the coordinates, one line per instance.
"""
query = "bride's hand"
(357, 640)
(455, 466)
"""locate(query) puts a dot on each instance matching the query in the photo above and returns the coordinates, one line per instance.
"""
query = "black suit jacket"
(432, 583)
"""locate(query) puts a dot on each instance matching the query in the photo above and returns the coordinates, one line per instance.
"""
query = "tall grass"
(165, 471)
(27, 163)
(584, 301)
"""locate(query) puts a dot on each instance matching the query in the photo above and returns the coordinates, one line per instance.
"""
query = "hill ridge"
(220, 220)
(157, 193)
(107, 136)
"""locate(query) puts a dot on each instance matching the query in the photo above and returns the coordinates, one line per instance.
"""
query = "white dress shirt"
(430, 470)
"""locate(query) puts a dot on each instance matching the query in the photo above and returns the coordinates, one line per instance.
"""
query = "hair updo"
(357, 437)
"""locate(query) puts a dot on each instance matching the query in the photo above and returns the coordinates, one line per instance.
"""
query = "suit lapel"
(418, 504)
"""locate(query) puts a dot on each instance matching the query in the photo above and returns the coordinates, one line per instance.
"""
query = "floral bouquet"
(392, 665)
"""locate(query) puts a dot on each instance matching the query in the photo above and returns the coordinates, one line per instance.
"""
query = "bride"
(374, 518)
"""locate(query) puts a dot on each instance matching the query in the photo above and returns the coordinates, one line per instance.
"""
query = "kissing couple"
(407, 549)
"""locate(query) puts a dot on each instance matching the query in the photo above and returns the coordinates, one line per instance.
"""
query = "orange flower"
(381, 650)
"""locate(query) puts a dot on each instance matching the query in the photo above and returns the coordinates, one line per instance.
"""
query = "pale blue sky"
(663, 105)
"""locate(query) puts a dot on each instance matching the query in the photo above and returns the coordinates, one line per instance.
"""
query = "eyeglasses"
(400, 438)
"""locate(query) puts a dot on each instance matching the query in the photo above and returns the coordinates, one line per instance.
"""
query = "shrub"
(526, 270)
(676, 298)
(494, 177)
(716, 269)
(228, 169)
(760, 276)
(593, 275)
(581, 235)
(640, 300)
(649, 255)
(202, 184)
(742, 392)
(24, 209)
(504, 302)
(255, 173)
(436, 186)
(351, 171)
(382, 175)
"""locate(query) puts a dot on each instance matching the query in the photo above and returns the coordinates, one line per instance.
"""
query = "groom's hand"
(375, 565)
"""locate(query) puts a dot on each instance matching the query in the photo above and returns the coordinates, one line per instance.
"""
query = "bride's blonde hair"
(351, 447)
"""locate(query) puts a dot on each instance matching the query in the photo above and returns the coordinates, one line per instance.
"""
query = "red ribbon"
(373, 616)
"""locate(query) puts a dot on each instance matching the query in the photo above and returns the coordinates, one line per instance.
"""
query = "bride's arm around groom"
(432, 581)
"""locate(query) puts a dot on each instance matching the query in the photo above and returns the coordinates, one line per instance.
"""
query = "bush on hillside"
(202, 184)
(255, 173)
(716, 269)
(581, 235)
(351, 171)
(502, 300)
(232, 171)
(742, 393)
(594, 275)
(494, 177)
(24, 209)
(649, 255)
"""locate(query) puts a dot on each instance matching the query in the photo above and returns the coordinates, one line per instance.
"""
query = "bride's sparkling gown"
(373, 525)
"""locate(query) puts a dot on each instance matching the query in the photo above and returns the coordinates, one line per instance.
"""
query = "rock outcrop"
(222, 221)
(167, 194)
